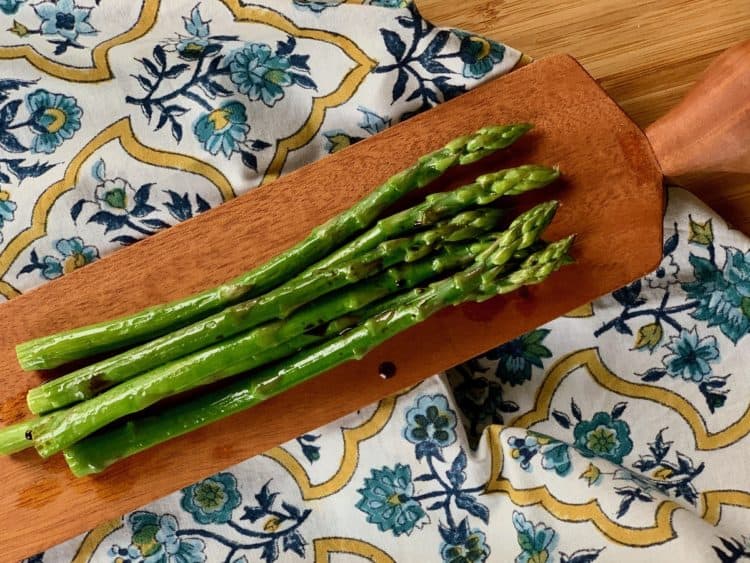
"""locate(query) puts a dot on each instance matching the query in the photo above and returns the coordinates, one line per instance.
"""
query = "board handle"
(709, 130)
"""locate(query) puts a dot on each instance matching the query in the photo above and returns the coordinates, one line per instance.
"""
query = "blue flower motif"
(155, 540)
(478, 54)
(192, 46)
(603, 436)
(472, 548)
(64, 18)
(54, 119)
(212, 500)
(431, 420)
(74, 255)
(691, 355)
(10, 7)
(555, 455)
(317, 6)
(515, 359)
(224, 129)
(536, 540)
(388, 500)
(723, 295)
(259, 73)
(7, 210)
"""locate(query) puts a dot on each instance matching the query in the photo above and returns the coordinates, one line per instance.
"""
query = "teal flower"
(723, 295)
(10, 7)
(515, 359)
(259, 73)
(603, 436)
(155, 540)
(7, 210)
(431, 420)
(469, 547)
(74, 254)
(54, 119)
(555, 456)
(192, 46)
(64, 18)
(388, 500)
(212, 500)
(691, 355)
(223, 129)
(478, 54)
(536, 540)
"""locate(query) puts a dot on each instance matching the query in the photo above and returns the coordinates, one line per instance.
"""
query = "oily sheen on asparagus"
(52, 351)
(357, 280)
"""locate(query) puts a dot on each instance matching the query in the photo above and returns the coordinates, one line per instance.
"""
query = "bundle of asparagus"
(332, 298)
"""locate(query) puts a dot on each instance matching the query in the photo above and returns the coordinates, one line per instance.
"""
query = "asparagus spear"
(99, 451)
(54, 350)
(217, 362)
(90, 380)
(486, 189)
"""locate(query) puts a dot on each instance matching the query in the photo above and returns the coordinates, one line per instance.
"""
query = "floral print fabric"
(618, 432)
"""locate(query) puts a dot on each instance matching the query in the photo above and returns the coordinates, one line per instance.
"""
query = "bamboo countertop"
(646, 54)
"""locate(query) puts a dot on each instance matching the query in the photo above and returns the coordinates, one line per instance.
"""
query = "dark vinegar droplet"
(386, 370)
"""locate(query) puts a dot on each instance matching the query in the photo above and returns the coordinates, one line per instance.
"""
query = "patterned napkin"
(615, 433)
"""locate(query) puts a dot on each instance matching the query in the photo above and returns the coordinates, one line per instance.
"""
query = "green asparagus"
(484, 190)
(57, 349)
(220, 361)
(95, 378)
(98, 452)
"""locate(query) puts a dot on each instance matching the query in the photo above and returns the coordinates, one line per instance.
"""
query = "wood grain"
(645, 53)
(612, 197)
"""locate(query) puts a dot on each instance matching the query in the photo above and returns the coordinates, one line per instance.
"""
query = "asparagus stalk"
(486, 189)
(99, 451)
(54, 350)
(278, 303)
(218, 362)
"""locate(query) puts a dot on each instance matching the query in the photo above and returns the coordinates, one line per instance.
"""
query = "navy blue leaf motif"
(294, 542)
(448, 90)
(160, 55)
(177, 70)
(211, 49)
(473, 507)
(125, 240)
(203, 205)
(4, 177)
(21, 172)
(258, 145)
(110, 221)
(670, 245)
(249, 160)
(405, 22)
(622, 328)
(436, 505)
(617, 410)
(303, 81)
(292, 510)
(12, 84)
(393, 43)
(145, 83)
(75, 211)
(266, 498)
(176, 130)
(149, 66)
(8, 112)
(425, 477)
(653, 374)
(156, 223)
(400, 85)
(179, 207)
(575, 410)
(629, 296)
(436, 45)
(428, 448)
(285, 47)
(456, 474)
(435, 67)
(163, 118)
(9, 142)
(561, 418)
(270, 552)
(253, 513)
(299, 61)
(143, 193)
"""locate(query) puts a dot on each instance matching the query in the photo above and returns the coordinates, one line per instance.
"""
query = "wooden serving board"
(611, 194)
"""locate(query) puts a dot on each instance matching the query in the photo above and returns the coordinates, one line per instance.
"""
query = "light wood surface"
(611, 196)
(645, 53)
